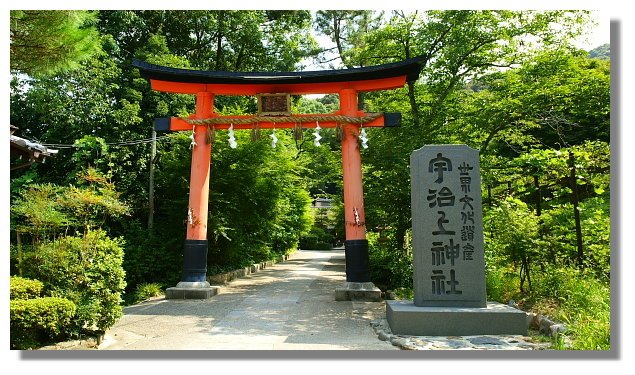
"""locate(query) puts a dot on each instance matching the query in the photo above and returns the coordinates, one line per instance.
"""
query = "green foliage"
(151, 256)
(145, 291)
(38, 211)
(38, 321)
(23, 288)
(317, 239)
(347, 29)
(556, 236)
(259, 205)
(272, 40)
(267, 214)
(514, 236)
(90, 152)
(502, 282)
(86, 113)
(595, 222)
(94, 204)
(390, 266)
(576, 298)
(45, 42)
(87, 270)
(557, 99)
(45, 211)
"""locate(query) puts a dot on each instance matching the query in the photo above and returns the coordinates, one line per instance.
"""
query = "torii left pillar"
(358, 286)
(194, 284)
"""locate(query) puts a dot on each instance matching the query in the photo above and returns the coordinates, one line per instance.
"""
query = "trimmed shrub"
(88, 271)
(38, 321)
(23, 288)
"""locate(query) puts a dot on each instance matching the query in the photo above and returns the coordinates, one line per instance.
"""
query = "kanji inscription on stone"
(447, 227)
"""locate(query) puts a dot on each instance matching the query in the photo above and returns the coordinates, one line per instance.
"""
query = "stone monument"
(448, 251)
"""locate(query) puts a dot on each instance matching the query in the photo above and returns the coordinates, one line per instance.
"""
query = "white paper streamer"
(317, 135)
(232, 139)
(363, 138)
(193, 143)
(274, 139)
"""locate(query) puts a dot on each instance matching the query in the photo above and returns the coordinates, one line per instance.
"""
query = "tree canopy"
(45, 42)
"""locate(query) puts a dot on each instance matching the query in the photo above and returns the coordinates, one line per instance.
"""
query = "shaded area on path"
(290, 305)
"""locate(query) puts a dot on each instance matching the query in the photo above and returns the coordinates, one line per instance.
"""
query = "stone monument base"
(405, 318)
(191, 290)
(354, 291)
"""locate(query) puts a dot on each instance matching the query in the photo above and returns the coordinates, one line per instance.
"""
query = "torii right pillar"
(358, 286)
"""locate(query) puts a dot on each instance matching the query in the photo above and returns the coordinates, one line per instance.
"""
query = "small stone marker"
(448, 252)
(447, 227)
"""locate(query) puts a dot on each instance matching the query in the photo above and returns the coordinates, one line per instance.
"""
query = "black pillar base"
(357, 264)
(194, 261)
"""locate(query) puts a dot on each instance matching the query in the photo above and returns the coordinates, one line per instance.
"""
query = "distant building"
(323, 203)
(324, 214)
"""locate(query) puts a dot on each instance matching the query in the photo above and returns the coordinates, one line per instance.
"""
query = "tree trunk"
(400, 236)
(219, 40)
(153, 154)
(576, 211)
(19, 245)
(538, 196)
(413, 104)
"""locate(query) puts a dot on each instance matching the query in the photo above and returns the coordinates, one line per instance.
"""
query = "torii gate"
(274, 88)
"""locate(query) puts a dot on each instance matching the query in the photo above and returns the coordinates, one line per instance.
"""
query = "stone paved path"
(290, 305)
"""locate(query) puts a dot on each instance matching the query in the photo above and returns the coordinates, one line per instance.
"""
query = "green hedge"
(390, 267)
(23, 288)
(88, 271)
(38, 321)
(317, 239)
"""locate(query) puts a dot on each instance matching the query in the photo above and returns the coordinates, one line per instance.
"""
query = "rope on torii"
(211, 130)
(297, 119)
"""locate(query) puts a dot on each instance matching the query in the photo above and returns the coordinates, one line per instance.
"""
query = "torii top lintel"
(372, 78)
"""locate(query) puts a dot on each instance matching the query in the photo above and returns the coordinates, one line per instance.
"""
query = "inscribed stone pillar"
(447, 225)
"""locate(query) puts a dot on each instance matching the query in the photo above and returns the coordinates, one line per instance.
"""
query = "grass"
(143, 292)
(566, 295)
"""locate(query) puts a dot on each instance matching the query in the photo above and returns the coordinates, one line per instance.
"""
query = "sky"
(600, 34)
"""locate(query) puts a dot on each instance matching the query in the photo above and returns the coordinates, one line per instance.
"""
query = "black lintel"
(392, 119)
(162, 124)
(410, 68)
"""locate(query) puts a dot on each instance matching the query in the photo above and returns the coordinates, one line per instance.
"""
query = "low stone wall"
(545, 325)
(224, 278)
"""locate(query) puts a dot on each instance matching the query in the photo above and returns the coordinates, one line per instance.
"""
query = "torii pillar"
(358, 285)
(194, 284)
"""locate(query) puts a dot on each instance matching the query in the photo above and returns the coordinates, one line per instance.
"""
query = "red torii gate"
(347, 83)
